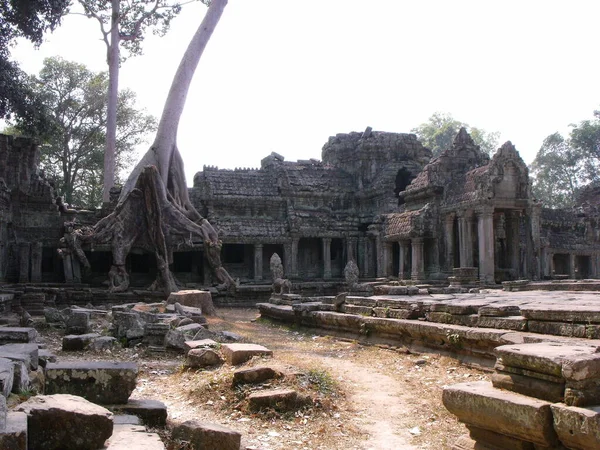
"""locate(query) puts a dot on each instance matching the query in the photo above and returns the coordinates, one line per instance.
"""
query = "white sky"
(283, 75)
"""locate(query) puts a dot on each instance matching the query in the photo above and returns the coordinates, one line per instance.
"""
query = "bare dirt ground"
(364, 397)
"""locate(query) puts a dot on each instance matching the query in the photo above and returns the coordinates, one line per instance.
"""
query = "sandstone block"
(481, 405)
(153, 413)
(533, 387)
(125, 439)
(278, 399)
(66, 422)
(78, 323)
(516, 323)
(202, 357)
(7, 377)
(194, 298)
(207, 436)
(31, 350)
(12, 335)
(189, 330)
(201, 343)
(175, 339)
(14, 434)
(577, 428)
(78, 342)
(254, 375)
(45, 356)
(239, 353)
(490, 440)
(102, 382)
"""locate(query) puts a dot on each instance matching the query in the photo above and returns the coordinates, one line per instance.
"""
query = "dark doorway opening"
(403, 179)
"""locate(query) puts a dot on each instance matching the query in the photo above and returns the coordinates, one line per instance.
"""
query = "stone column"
(435, 257)
(572, 266)
(24, 261)
(388, 260)
(403, 259)
(258, 262)
(449, 241)
(379, 256)
(465, 237)
(326, 242)
(351, 249)
(371, 247)
(68, 267)
(363, 257)
(206, 272)
(2, 264)
(418, 260)
(76, 270)
(512, 240)
(551, 264)
(485, 229)
(294, 271)
(36, 262)
(287, 259)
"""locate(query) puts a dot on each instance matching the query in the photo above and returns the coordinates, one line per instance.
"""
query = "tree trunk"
(154, 210)
(111, 111)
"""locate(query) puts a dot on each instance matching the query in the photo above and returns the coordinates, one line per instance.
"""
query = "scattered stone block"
(126, 438)
(78, 342)
(154, 334)
(239, 353)
(153, 413)
(21, 379)
(15, 335)
(254, 375)
(207, 436)
(55, 317)
(32, 350)
(194, 298)
(14, 435)
(202, 343)
(228, 336)
(190, 330)
(37, 380)
(202, 357)
(481, 405)
(175, 339)
(279, 399)
(7, 377)
(128, 326)
(126, 419)
(102, 382)
(66, 422)
(45, 356)
(78, 323)
(577, 428)
(102, 343)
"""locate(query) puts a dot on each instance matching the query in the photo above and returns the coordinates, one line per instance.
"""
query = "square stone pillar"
(465, 238)
(418, 259)
(294, 272)
(2, 263)
(363, 257)
(206, 271)
(258, 262)
(24, 262)
(387, 258)
(67, 266)
(572, 266)
(513, 240)
(351, 250)
(485, 229)
(403, 260)
(449, 241)
(379, 270)
(36, 262)
(287, 259)
(326, 243)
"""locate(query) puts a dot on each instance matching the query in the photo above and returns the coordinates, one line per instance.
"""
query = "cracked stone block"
(12, 335)
(239, 353)
(278, 399)
(31, 350)
(254, 375)
(14, 435)
(577, 428)
(194, 298)
(205, 436)
(153, 413)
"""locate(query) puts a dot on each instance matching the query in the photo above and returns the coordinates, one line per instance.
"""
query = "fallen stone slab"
(153, 413)
(32, 350)
(255, 375)
(577, 428)
(190, 330)
(278, 399)
(102, 343)
(194, 298)
(14, 435)
(533, 387)
(78, 342)
(45, 356)
(201, 343)
(102, 382)
(3, 412)
(7, 377)
(207, 436)
(202, 357)
(129, 438)
(12, 335)
(66, 422)
(126, 419)
(78, 323)
(481, 405)
(239, 353)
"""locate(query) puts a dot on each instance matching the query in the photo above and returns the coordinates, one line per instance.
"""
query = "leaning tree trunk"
(154, 208)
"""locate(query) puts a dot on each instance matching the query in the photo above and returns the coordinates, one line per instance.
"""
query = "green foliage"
(586, 136)
(72, 154)
(29, 20)
(438, 133)
(321, 381)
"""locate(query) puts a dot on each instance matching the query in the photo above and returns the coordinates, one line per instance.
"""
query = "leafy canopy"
(438, 133)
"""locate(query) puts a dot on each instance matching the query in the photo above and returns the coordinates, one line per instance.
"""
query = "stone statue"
(351, 274)
(280, 284)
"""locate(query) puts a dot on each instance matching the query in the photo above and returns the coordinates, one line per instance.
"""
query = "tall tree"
(559, 170)
(586, 135)
(72, 154)
(28, 19)
(154, 209)
(124, 22)
(438, 133)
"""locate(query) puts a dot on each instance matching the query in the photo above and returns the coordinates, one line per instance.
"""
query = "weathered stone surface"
(101, 382)
(481, 405)
(3, 412)
(207, 436)
(37, 380)
(254, 375)
(126, 438)
(278, 399)
(14, 435)
(577, 428)
(13, 335)
(66, 422)
(45, 356)
(7, 377)
(128, 326)
(175, 339)
(102, 343)
(486, 439)
(78, 323)
(202, 343)
(558, 328)
(21, 380)
(356, 309)
(561, 313)
(153, 413)
(455, 319)
(533, 387)
(189, 330)
(499, 310)
(194, 298)
(31, 350)
(202, 357)
(516, 323)
(239, 353)
(55, 317)
(78, 342)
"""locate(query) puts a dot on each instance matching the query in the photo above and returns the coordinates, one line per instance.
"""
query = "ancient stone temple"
(375, 198)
